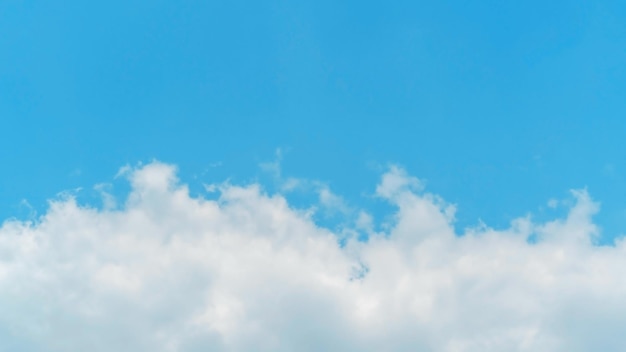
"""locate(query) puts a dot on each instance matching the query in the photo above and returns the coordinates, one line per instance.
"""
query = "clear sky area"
(499, 108)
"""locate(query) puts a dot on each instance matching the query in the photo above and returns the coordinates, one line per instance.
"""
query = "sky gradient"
(499, 106)
(506, 110)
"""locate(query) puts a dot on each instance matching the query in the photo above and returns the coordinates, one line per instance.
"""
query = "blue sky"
(312, 176)
(498, 106)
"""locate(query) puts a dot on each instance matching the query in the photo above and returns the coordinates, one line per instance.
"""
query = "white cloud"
(247, 272)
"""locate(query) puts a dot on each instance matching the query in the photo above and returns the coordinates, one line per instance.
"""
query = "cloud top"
(248, 272)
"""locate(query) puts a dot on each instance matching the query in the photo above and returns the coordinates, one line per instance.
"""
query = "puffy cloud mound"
(247, 272)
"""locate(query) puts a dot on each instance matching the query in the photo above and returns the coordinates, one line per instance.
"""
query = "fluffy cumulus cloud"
(246, 271)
